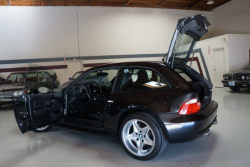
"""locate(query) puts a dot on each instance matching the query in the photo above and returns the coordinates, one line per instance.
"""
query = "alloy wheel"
(138, 137)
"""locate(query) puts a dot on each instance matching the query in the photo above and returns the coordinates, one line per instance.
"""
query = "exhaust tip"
(207, 133)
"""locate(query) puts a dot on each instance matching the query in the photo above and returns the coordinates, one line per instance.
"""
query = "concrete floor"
(228, 144)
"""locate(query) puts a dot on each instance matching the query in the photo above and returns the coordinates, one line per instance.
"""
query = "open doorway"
(219, 66)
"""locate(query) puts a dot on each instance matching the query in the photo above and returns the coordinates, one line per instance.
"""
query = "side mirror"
(70, 78)
(43, 90)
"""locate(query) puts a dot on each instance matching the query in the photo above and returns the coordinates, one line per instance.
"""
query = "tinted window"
(40, 77)
(47, 76)
(20, 78)
(183, 45)
(135, 79)
(76, 75)
(31, 77)
(102, 77)
(11, 78)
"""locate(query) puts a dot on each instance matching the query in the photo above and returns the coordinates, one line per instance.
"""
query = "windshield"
(76, 75)
(183, 45)
(11, 79)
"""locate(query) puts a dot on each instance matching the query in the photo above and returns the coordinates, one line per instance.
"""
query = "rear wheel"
(141, 136)
(235, 89)
(43, 129)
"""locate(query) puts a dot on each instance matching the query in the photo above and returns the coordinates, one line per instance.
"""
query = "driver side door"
(37, 110)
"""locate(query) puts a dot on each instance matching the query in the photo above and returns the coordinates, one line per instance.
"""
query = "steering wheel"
(93, 90)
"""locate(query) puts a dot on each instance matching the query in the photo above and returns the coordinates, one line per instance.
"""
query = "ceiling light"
(209, 2)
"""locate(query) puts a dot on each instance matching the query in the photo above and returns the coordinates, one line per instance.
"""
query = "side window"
(47, 76)
(40, 77)
(11, 79)
(102, 77)
(136, 79)
(20, 78)
(31, 77)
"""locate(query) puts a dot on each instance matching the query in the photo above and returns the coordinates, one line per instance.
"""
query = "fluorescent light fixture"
(209, 2)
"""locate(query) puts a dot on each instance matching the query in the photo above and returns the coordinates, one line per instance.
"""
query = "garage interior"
(68, 36)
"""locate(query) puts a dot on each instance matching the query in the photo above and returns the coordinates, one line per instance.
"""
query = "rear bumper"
(238, 84)
(181, 128)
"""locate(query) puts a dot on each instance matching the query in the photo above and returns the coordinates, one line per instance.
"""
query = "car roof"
(141, 63)
(23, 72)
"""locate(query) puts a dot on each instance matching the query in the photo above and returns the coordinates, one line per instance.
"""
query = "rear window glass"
(183, 45)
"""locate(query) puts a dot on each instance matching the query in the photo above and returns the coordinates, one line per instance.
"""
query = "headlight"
(17, 93)
(2, 95)
(247, 77)
(225, 77)
(242, 77)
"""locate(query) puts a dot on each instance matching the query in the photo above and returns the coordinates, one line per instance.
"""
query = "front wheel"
(43, 129)
(141, 136)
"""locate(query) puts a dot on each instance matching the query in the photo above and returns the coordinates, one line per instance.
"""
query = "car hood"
(240, 72)
(66, 84)
(11, 87)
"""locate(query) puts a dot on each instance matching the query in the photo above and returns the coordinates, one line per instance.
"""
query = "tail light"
(190, 106)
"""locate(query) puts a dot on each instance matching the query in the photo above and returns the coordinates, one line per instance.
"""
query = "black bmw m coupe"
(143, 104)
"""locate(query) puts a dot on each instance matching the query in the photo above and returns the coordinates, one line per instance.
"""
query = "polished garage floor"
(228, 144)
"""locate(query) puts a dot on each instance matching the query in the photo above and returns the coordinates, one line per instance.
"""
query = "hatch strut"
(192, 57)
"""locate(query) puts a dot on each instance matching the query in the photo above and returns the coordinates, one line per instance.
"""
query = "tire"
(42, 129)
(147, 134)
(235, 89)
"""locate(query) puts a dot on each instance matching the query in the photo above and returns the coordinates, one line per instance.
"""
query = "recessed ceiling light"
(209, 2)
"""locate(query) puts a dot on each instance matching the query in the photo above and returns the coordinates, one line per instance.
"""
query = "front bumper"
(238, 84)
(180, 128)
(6, 101)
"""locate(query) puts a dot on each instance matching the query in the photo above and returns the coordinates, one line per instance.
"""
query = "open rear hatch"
(188, 31)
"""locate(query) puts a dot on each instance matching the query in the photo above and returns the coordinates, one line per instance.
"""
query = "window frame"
(120, 75)
(9, 77)
(94, 70)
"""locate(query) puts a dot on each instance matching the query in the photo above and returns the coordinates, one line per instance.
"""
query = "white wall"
(48, 32)
(232, 18)
(212, 43)
(236, 52)
(238, 49)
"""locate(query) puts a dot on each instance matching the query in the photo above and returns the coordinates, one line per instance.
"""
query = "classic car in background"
(2, 80)
(16, 84)
(76, 75)
(237, 80)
